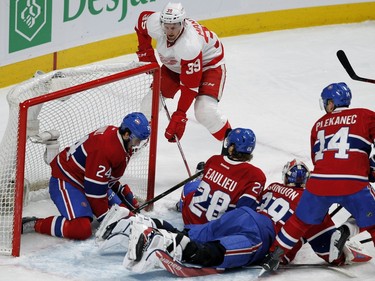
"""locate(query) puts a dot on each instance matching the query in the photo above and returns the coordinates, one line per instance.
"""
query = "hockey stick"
(365, 240)
(182, 269)
(349, 69)
(105, 232)
(177, 140)
(165, 193)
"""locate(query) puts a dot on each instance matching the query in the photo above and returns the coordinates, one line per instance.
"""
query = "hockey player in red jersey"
(238, 238)
(340, 146)
(192, 60)
(85, 178)
(228, 182)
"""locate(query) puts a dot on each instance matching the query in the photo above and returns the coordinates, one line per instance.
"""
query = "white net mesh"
(73, 117)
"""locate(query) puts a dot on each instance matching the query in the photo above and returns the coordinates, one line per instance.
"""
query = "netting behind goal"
(62, 107)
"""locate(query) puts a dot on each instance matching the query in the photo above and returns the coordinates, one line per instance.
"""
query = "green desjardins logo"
(30, 23)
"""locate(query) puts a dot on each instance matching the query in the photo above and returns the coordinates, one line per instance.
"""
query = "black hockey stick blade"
(349, 69)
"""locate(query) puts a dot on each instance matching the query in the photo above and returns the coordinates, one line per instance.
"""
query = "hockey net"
(59, 108)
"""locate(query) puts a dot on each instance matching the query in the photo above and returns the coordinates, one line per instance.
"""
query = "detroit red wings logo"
(168, 61)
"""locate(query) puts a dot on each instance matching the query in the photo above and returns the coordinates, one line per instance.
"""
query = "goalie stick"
(180, 269)
(184, 270)
(349, 69)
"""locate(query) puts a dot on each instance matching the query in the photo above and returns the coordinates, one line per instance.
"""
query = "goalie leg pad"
(354, 253)
(145, 241)
(118, 239)
(117, 236)
(114, 214)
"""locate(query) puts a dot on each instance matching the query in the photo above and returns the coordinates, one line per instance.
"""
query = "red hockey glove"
(176, 126)
(127, 197)
(147, 55)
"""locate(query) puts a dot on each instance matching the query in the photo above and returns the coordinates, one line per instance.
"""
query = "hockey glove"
(176, 126)
(272, 260)
(127, 197)
(147, 55)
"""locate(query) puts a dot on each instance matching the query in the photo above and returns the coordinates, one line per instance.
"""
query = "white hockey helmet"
(173, 13)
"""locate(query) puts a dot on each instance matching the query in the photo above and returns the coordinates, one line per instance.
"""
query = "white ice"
(273, 86)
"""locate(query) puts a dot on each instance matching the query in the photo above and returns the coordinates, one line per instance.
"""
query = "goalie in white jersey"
(192, 60)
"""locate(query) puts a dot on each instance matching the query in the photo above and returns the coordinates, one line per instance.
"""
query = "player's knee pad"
(208, 114)
(78, 229)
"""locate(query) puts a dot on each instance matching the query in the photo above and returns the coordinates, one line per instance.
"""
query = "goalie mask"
(295, 173)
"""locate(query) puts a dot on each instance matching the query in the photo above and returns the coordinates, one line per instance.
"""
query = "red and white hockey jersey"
(340, 148)
(196, 49)
(225, 185)
(279, 202)
(93, 164)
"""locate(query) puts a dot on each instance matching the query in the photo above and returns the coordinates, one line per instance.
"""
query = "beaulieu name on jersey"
(220, 179)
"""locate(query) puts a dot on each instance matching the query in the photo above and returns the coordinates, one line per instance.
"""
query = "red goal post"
(69, 104)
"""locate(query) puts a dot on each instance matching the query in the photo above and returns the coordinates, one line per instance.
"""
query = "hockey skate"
(144, 241)
(28, 224)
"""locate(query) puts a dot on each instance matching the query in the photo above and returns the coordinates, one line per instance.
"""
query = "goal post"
(68, 104)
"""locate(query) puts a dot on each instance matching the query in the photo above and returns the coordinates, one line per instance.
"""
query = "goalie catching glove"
(176, 127)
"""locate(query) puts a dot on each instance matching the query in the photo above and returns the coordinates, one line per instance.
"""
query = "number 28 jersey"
(225, 185)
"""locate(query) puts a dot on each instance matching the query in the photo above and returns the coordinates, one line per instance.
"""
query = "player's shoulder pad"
(153, 25)
(188, 46)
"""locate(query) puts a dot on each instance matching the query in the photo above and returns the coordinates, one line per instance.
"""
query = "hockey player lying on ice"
(238, 238)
